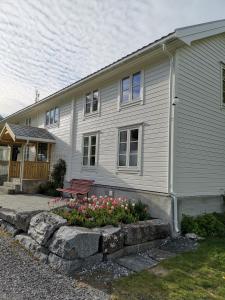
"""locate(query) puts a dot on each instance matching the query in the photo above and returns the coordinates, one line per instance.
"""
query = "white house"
(149, 126)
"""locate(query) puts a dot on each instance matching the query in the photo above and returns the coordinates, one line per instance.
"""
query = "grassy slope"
(193, 275)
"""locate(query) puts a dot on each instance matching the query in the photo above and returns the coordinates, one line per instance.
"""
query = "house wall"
(199, 150)
(154, 113)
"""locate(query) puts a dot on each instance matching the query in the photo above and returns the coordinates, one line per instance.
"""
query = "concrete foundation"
(31, 186)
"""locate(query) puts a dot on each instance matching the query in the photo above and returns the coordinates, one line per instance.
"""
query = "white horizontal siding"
(199, 120)
(154, 113)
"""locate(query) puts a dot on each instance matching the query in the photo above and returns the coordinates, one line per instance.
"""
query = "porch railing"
(32, 170)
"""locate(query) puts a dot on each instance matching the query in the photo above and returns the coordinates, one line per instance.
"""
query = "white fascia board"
(33, 139)
(201, 31)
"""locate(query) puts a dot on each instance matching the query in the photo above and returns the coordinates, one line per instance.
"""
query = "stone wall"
(69, 248)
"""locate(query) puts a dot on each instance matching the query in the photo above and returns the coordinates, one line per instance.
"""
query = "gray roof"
(31, 133)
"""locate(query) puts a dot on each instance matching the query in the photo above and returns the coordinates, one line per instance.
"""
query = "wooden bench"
(78, 187)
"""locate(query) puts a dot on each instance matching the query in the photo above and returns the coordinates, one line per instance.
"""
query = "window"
(131, 88)
(52, 117)
(28, 122)
(42, 153)
(223, 84)
(92, 102)
(129, 147)
(90, 150)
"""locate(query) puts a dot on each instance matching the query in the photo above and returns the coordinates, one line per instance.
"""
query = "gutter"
(171, 138)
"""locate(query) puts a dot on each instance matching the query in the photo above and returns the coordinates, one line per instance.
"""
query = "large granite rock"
(11, 229)
(31, 245)
(21, 220)
(43, 226)
(144, 231)
(111, 240)
(72, 242)
(63, 265)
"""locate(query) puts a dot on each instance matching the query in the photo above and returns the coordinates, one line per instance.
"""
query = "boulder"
(193, 236)
(22, 220)
(31, 245)
(145, 231)
(43, 226)
(72, 242)
(11, 229)
(63, 265)
(111, 240)
(8, 215)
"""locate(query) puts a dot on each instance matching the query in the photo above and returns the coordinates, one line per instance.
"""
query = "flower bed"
(100, 211)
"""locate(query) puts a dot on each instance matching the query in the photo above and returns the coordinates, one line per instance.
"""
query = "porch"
(25, 155)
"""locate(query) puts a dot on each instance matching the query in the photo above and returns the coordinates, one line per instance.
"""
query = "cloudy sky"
(50, 44)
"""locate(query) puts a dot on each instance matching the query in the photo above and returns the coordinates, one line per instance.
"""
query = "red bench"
(78, 187)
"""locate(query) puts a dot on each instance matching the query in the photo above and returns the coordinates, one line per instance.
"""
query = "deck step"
(12, 185)
(15, 180)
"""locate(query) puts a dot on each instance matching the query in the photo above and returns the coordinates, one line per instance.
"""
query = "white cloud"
(50, 44)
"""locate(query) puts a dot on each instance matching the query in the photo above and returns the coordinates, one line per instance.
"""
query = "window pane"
(42, 154)
(136, 79)
(136, 85)
(136, 92)
(85, 151)
(123, 136)
(125, 96)
(88, 104)
(133, 160)
(95, 100)
(224, 85)
(122, 160)
(133, 147)
(125, 84)
(85, 160)
(123, 148)
(47, 119)
(93, 140)
(52, 116)
(134, 135)
(86, 141)
(93, 150)
(92, 161)
(56, 117)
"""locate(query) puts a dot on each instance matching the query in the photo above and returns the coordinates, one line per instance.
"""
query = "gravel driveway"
(23, 278)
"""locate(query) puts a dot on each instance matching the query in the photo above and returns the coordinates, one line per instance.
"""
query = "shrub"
(207, 225)
(98, 212)
(58, 174)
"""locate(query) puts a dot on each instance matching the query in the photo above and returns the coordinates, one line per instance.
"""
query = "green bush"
(48, 188)
(207, 225)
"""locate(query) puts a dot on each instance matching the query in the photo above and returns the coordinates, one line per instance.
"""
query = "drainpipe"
(171, 138)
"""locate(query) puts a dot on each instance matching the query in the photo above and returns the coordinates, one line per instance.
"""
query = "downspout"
(171, 138)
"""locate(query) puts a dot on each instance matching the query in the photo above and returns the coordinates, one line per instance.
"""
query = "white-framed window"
(90, 149)
(131, 89)
(28, 121)
(92, 103)
(52, 117)
(223, 84)
(130, 148)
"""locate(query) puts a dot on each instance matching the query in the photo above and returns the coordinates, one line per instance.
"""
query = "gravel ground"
(23, 278)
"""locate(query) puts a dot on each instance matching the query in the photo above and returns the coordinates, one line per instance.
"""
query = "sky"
(47, 45)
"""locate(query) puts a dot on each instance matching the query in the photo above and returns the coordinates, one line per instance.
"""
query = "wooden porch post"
(9, 159)
(22, 165)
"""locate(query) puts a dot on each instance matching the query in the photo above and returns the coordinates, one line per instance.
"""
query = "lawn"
(194, 275)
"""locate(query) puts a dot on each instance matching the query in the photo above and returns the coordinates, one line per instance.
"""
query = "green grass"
(194, 275)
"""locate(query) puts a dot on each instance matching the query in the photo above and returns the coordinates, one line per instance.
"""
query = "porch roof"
(26, 133)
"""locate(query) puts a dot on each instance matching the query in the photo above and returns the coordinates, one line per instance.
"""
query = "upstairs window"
(28, 122)
(92, 102)
(131, 88)
(90, 150)
(129, 147)
(52, 117)
(223, 84)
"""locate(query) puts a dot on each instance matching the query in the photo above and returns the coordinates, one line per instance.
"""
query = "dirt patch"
(159, 271)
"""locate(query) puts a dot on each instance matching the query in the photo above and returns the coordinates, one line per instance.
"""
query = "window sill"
(128, 171)
(130, 104)
(91, 115)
